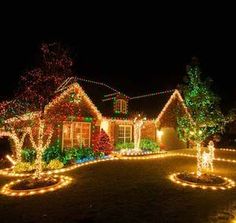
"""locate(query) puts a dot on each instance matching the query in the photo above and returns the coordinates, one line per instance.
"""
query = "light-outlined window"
(76, 134)
(120, 106)
(125, 133)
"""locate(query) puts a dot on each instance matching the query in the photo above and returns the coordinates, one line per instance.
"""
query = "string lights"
(18, 141)
(62, 181)
(227, 183)
(138, 123)
(40, 144)
(175, 95)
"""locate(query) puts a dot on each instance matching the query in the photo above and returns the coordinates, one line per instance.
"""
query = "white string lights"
(138, 123)
(18, 141)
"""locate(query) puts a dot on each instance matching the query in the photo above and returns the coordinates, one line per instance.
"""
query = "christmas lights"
(10, 159)
(175, 95)
(18, 141)
(138, 123)
(227, 183)
(40, 144)
(62, 182)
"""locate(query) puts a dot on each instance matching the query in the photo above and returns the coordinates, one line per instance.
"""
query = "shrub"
(73, 154)
(102, 143)
(52, 152)
(126, 145)
(55, 164)
(28, 155)
(23, 167)
(148, 145)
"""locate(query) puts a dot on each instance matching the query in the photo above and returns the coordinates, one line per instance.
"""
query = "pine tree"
(103, 143)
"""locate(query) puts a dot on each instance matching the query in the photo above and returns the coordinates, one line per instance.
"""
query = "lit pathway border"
(228, 183)
(63, 181)
(10, 173)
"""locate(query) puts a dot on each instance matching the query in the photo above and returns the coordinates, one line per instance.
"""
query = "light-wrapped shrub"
(23, 167)
(55, 164)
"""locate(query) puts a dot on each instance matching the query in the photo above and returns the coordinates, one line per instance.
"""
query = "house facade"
(83, 108)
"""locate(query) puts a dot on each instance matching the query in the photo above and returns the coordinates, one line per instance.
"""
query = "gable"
(73, 101)
(167, 116)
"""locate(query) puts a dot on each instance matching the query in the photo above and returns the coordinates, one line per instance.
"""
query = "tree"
(37, 88)
(103, 143)
(203, 106)
(13, 127)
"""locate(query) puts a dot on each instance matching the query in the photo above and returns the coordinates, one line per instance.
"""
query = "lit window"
(125, 133)
(76, 134)
(121, 106)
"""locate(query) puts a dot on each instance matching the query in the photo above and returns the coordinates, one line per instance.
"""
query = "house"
(94, 106)
(78, 112)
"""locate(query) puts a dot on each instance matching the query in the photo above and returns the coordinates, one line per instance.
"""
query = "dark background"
(135, 49)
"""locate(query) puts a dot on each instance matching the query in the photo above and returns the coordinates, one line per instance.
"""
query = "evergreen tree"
(103, 143)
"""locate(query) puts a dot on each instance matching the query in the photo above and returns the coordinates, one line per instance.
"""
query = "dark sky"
(134, 52)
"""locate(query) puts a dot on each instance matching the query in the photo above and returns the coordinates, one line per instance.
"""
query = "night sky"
(130, 51)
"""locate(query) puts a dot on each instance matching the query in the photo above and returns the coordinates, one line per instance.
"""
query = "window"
(76, 134)
(121, 106)
(125, 133)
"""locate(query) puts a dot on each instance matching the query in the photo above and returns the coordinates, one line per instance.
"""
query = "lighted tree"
(37, 88)
(12, 127)
(138, 123)
(103, 143)
(203, 106)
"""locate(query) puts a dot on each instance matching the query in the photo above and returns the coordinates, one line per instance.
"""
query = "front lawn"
(124, 191)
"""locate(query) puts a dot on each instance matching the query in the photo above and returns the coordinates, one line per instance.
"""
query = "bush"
(126, 145)
(27, 166)
(149, 145)
(74, 154)
(28, 155)
(23, 167)
(103, 143)
(55, 164)
(53, 152)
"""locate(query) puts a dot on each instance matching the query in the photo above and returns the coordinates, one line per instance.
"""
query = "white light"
(10, 159)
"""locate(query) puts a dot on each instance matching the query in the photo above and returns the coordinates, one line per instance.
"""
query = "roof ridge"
(152, 94)
(98, 83)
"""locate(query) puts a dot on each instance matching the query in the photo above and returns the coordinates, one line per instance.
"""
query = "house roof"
(99, 93)
(102, 96)
(150, 105)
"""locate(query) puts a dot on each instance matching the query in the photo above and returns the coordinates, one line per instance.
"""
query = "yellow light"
(159, 134)
(105, 125)
(227, 185)
(10, 159)
(63, 181)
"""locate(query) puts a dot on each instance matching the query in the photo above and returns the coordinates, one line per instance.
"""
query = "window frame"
(124, 138)
(72, 130)
(121, 106)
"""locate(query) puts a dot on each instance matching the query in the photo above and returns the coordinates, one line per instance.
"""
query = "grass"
(125, 191)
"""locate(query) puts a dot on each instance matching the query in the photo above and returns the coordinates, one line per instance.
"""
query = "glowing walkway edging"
(10, 173)
(228, 183)
(7, 188)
